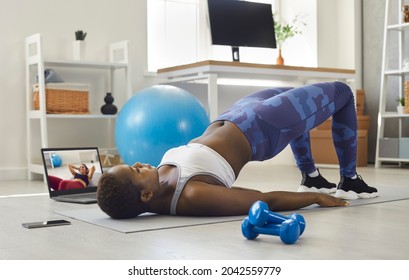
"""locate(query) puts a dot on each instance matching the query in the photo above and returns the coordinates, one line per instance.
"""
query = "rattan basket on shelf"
(406, 97)
(63, 98)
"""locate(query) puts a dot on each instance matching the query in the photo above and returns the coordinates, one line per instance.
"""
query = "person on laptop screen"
(82, 176)
(197, 179)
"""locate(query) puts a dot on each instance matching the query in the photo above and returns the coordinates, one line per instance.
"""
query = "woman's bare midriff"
(229, 141)
(81, 181)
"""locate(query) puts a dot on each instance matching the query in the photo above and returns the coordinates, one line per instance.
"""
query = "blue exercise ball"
(56, 160)
(155, 120)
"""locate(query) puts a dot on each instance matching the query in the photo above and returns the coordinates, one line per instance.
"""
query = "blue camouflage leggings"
(273, 118)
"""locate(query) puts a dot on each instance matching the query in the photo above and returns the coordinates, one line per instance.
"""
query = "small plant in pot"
(79, 45)
(401, 104)
(285, 30)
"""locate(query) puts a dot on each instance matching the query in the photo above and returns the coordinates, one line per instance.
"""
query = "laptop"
(62, 185)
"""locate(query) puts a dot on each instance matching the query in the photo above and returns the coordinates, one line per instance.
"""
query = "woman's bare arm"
(91, 172)
(282, 200)
(203, 199)
(245, 189)
(72, 169)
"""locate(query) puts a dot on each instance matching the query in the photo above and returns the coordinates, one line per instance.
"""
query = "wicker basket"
(406, 96)
(63, 98)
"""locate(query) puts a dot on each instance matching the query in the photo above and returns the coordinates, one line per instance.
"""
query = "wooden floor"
(368, 232)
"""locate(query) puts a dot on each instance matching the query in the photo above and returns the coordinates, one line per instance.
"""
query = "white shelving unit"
(39, 130)
(393, 74)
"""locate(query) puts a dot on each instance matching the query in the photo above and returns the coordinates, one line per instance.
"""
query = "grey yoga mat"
(149, 221)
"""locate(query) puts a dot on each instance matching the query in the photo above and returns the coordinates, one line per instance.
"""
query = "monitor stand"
(235, 53)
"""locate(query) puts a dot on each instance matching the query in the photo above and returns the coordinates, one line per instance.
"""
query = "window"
(172, 32)
(178, 33)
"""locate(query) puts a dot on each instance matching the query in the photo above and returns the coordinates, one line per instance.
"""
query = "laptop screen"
(71, 170)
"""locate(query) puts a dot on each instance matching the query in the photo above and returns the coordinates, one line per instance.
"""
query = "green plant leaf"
(285, 30)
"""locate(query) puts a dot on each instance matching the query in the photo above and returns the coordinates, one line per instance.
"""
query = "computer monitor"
(241, 23)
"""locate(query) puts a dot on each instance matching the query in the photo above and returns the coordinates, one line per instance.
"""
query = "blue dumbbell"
(289, 230)
(260, 214)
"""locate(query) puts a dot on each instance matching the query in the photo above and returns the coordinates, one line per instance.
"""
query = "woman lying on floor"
(197, 179)
(82, 177)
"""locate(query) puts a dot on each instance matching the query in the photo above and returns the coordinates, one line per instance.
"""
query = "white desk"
(211, 71)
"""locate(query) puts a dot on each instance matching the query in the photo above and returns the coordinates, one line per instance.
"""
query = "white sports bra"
(197, 159)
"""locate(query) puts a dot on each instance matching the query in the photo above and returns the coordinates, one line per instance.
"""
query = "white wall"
(105, 21)
(295, 49)
(336, 40)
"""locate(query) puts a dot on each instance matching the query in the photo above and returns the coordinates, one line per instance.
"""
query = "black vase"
(109, 108)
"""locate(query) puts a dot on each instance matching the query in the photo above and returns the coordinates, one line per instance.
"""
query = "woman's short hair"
(118, 197)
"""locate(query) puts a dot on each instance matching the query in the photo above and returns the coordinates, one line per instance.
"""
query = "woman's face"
(140, 174)
(83, 169)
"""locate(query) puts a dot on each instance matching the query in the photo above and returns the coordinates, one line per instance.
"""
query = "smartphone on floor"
(51, 223)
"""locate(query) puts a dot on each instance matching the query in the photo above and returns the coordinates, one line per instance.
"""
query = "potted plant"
(79, 45)
(284, 31)
(401, 104)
